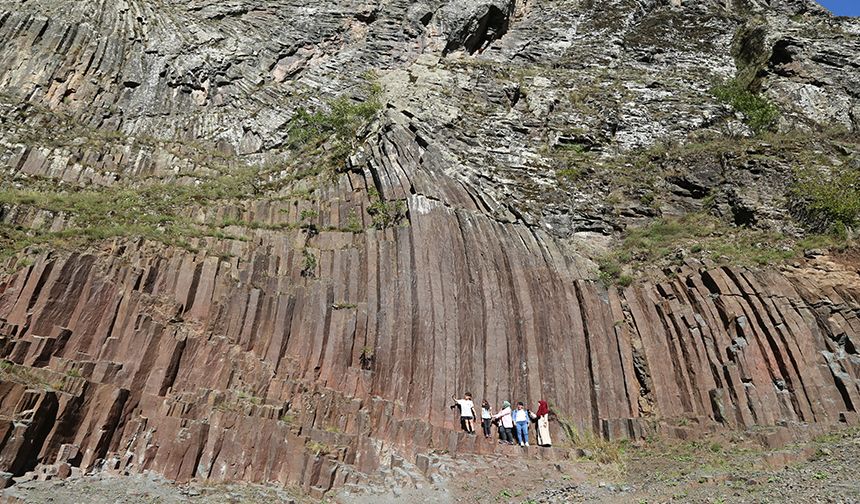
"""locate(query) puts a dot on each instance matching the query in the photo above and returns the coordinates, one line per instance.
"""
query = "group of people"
(506, 419)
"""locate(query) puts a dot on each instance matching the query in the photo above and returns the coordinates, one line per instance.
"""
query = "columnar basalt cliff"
(266, 241)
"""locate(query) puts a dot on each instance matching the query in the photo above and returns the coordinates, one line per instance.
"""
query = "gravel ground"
(823, 470)
(144, 489)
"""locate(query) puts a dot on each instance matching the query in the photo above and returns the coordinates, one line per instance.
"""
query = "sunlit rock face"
(266, 241)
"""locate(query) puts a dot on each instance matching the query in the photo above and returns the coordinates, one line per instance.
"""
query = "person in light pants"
(543, 437)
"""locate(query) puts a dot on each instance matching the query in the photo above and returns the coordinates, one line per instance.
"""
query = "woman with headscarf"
(543, 438)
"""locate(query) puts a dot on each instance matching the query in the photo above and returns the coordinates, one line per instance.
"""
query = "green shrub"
(610, 270)
(385, 214)
(353, 223)
(759, 112)
(332, 131)
(24, 262)
(624, 281)
(309, 266)
(570, 174)
(307, 223)
(308, 214)
(318, 448)
(247, 397)
(648, 199)
(830, 201)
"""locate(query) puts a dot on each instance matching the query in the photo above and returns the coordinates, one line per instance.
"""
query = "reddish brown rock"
(288, 378)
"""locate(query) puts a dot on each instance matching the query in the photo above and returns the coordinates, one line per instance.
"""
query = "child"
(521, 420)
(505, 423)
(467, 411)
(486, 418)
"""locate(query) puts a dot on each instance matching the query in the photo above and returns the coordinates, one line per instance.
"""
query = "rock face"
(313, 330)
(473, 25)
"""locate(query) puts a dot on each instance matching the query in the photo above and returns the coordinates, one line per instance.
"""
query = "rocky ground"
(717, 469)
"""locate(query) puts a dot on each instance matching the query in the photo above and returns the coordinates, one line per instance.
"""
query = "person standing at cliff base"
(506, 423)
(486, 418)
(467, 411)
(521, 420)
(543, 438)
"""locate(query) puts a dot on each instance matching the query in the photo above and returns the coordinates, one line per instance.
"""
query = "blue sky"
(842, 7)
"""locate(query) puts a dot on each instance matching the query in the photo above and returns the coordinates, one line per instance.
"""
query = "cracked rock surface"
(265, 241)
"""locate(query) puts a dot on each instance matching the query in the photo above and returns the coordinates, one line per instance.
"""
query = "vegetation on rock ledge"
(829, 200)
(670, 241)
(814, 177)
(156, 211)
(329, 135)
(162, 210)
(760, 114)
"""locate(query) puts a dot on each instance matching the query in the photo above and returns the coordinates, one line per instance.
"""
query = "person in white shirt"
(467, 411)
(486, 418)
(506, 423)
(521, 420)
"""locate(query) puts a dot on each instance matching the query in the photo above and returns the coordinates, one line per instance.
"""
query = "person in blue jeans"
(521, 420)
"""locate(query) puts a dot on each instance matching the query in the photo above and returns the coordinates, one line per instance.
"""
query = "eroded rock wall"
(237, 357)
(195, 366)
